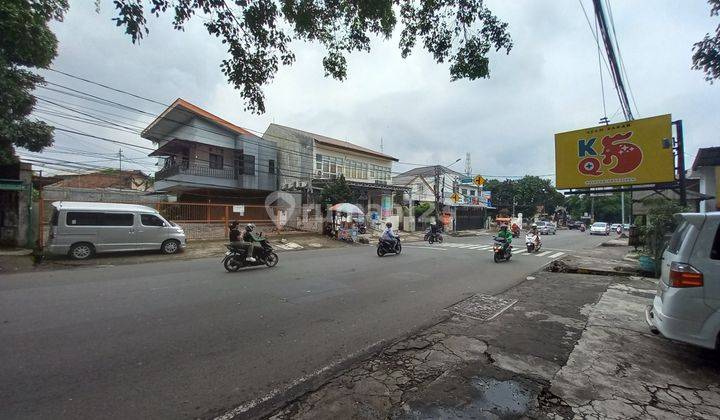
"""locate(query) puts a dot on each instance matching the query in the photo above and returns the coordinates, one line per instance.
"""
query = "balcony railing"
(196, 170)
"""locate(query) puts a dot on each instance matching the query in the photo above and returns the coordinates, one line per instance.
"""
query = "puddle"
(493, 399)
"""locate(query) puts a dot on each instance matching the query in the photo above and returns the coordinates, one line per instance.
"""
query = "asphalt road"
(184, 339)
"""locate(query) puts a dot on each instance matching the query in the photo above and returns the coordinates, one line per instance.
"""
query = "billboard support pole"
(681, 162)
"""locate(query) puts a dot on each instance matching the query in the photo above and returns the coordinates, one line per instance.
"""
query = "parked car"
(546, 228)
(686, 306)
(626, 226)
(80, 230)
(600, 228)
(614, 226)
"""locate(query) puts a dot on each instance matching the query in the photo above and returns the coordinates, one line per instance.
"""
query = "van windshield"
(678, 237)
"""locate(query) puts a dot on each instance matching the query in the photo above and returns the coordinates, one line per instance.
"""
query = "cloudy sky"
(549, 83)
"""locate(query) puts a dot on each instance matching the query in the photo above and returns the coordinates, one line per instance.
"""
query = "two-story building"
(308, 161)
(430, 183)
(206, 158)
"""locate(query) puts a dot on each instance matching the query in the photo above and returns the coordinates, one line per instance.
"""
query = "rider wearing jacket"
(505, 234)
(388, 234)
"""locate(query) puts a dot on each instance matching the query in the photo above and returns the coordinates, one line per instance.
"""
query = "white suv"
(687, 304)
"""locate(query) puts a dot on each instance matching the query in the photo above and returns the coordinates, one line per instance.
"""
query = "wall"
(108, 195)
(708, 186)
(295, 155)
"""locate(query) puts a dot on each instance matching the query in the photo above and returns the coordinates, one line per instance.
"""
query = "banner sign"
(628, 153)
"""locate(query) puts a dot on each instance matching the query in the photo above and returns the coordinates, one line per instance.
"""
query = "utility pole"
(468, 168)
(120, 156)
(437, 192)
(681, 162)
(622, 207)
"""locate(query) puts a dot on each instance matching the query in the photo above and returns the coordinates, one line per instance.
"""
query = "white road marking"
(275, 392)
(429, 248)
(519, 251)
(542, 254)
(557, 255)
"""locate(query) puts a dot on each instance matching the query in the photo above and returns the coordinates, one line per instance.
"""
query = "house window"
(472, 192)
(216, 161)
(271, 166)
(464, 191)
(248, 165)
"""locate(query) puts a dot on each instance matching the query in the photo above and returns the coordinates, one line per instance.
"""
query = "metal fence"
(205, 221)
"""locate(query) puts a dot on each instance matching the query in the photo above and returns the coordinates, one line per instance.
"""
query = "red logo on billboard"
(618, 154)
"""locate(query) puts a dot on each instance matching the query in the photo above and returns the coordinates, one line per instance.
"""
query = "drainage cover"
(482, 307)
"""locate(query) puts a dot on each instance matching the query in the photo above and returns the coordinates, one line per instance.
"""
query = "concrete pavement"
(186, 339)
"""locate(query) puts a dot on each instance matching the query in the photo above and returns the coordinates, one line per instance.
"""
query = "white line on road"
(542, 254)
(520, 251)
(556, 255)
(430, 248)
(275, 392)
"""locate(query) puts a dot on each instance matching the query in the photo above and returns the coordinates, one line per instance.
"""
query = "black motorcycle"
(433, 237)
(388, 247)
(235, 257)
(501, 251)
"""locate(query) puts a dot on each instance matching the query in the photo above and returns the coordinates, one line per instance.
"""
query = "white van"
(79, 229)
(687, 305)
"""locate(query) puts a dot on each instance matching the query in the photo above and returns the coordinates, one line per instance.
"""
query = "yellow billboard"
(627, 153)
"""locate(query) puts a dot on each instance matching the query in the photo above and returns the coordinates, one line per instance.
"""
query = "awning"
(173, 147)
(319, 183)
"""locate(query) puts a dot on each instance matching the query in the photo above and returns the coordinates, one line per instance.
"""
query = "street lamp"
(459, 159)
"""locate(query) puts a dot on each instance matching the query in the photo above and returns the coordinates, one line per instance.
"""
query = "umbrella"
(347, 208)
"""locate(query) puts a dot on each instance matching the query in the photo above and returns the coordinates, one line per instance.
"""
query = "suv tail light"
(685, 275)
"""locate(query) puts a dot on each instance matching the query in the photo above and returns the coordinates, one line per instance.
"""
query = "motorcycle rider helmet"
(433, 223)
(250, 227)
(388, 224)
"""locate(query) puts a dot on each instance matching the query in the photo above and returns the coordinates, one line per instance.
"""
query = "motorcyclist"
(388, 234)
(505, 234)
(434, 229)
(250, 240)
(536, 235)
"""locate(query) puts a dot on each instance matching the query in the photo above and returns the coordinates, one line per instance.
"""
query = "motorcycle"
(235, 257)
(436, 237)
(582, 228)
(530, 243)
(387, 247)
(501, 251)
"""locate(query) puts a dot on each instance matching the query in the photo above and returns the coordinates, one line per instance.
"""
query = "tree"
(503, 193)
(259, 33)
(26, 42)
(706, 53)
(336, 191)
(660, 224)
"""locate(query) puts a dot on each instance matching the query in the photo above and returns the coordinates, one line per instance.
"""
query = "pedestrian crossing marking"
(489, 248)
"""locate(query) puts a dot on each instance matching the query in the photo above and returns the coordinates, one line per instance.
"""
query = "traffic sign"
(479, 180)
(455, 197)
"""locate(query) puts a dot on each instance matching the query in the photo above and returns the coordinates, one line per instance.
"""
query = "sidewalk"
(559, 345)
(21, 262)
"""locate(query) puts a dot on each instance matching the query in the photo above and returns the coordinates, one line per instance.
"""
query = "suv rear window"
(678, 237)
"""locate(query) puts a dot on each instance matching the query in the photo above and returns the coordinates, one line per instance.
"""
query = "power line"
(622, 62)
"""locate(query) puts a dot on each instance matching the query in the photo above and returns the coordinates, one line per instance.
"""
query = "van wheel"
(81, 251)
(171, 246)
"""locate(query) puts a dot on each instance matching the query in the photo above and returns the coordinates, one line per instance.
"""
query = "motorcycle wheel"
(431, 240)
(232, 264)
(398, 249)
(496, 257)
(529, 249)
(380, 252)
(271, 260)
(440, 239)
(507, 257)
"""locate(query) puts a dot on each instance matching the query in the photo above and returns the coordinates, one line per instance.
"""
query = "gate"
(469, 218)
